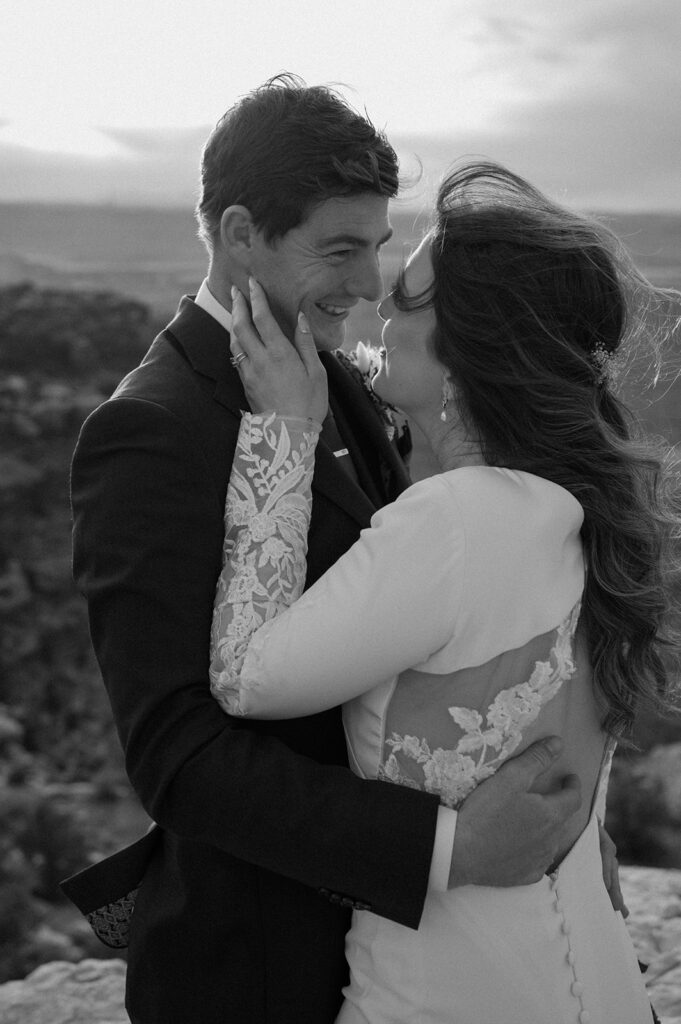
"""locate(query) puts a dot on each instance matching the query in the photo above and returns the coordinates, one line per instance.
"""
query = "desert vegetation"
(64, 798)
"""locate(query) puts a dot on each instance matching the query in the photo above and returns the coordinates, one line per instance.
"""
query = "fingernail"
(252, 283)
(235, 292)
(303, 324)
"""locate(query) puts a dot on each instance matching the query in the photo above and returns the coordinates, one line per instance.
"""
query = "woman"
(519, 592)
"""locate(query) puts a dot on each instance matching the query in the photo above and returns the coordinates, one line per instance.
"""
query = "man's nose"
(367, 282)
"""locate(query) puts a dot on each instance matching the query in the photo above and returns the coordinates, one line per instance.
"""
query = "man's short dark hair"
(284, 148)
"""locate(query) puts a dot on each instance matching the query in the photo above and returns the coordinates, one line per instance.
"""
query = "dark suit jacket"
(266, 838)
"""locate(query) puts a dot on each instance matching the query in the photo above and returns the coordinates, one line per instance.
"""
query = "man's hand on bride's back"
(276, 374)
(507, 835)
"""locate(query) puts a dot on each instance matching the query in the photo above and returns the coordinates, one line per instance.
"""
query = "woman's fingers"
(254, 329)
(312, 368)
(269, 331)
(305, 346)
(243, 336)
(276, 373)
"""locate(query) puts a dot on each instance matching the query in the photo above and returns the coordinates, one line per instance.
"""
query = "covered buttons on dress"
(576, 987)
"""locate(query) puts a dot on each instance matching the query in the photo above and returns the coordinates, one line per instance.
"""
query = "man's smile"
(337, 312)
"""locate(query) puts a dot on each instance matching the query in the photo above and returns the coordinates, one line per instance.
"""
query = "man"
(265, 839)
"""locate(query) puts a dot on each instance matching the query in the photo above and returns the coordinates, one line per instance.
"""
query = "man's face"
(325, 265)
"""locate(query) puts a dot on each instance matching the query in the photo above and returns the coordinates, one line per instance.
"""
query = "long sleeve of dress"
(267, 516)
(408, 593)
(362, 609)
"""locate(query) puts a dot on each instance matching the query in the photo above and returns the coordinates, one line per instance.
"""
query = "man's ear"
(237, 233)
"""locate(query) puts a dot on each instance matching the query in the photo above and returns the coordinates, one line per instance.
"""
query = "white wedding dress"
(450, 633)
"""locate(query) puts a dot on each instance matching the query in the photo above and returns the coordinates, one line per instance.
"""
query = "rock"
(91, 992)
(654, 900)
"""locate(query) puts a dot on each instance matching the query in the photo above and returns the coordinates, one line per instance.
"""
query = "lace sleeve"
(267, 515)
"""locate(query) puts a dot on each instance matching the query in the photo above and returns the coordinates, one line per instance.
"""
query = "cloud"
(140, 167)
(159, 179)
(594, 154)
(585, 97)
(581, 97)
(58, 136)
(502, 30)
(175, 143)
(545, 51)
(566, 154)
(632, 20)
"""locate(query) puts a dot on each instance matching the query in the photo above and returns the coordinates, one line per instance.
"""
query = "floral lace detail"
(453, 774)
(267, 515)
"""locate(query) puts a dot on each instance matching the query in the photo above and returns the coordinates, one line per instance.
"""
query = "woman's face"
(410, 376)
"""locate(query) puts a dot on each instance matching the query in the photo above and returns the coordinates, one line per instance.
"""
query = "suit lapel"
(205, 344)
(382, 465)
(366, 480)
(334, 483)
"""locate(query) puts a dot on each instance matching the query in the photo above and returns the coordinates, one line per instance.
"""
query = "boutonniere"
(363, 363)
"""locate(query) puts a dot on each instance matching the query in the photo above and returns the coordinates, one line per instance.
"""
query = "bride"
(522, 591)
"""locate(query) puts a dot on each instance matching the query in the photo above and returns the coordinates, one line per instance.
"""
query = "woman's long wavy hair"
(535, 307)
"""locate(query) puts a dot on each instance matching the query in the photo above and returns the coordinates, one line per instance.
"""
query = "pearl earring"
(446, 395)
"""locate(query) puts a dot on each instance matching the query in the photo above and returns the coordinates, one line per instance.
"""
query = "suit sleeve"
(147, 547)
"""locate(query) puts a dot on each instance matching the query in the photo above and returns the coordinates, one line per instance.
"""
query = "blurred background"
(104, 108)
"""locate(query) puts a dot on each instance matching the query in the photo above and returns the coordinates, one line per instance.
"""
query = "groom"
(265, 839)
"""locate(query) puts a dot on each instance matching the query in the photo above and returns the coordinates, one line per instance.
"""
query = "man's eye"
(340, 254)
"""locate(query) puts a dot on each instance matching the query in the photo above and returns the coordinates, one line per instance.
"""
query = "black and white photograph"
(340, 512)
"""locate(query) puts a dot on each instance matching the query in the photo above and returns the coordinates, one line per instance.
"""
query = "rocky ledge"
(654, 900)
(92, 991)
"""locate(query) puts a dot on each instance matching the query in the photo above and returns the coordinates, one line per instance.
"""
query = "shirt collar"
(207, 301)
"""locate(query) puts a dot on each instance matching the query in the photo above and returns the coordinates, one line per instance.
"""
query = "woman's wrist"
(300, 422)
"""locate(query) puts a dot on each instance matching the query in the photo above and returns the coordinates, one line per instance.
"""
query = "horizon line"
(182, 206)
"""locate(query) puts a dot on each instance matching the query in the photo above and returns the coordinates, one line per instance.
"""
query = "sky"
(111, 100)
